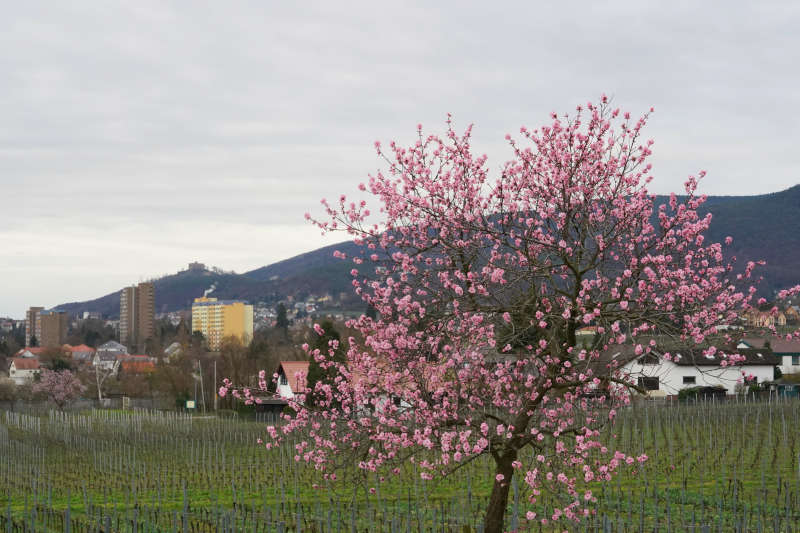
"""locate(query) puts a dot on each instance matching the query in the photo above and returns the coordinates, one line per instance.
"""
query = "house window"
(648, 383)
(795, 360)
(282, 380)
(689, 380)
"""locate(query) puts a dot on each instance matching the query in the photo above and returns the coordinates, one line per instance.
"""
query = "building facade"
(53, 328)
(23, 370)
(217, 319)
(107, 355)
(136, 315)
(33, 327)
(661, 377)
(80, 354)
(787, 351)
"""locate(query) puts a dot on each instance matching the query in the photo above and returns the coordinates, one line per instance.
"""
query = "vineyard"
(731, 466)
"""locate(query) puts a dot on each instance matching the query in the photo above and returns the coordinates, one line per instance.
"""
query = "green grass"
(731, 465)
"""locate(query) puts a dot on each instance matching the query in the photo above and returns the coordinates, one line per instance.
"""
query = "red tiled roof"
(35, 350)
(80, 348)
(25, 363)
(138, 367)
(290, 369)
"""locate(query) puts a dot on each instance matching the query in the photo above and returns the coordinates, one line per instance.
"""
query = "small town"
(132, 359)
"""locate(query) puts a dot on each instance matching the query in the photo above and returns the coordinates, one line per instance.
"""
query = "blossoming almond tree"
(62, 388)
(481, 280)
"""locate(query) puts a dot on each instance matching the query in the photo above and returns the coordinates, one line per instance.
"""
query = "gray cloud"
(137, 136)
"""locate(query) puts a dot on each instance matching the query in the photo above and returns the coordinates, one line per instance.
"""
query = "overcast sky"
(138, 136)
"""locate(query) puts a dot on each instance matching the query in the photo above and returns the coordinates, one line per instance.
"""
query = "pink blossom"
(61, 388)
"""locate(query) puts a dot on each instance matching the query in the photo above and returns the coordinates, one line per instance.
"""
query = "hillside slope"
(316, 271)
(177, 291)
(763, 227)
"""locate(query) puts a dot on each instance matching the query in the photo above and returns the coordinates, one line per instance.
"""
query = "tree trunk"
(99, 384)
(496, 511)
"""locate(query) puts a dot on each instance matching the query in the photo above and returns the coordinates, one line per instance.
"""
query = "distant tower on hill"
(136, 315)
(196, 267)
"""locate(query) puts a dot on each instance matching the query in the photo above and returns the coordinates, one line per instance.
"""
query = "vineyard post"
(67, 520)
(202, 388)
(185, 507)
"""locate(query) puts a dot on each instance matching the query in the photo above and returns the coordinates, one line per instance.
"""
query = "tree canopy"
(281, 320)
(60, 387)
(327, 351)
(481, 280)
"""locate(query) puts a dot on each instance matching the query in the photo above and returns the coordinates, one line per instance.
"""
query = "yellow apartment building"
(217, 319)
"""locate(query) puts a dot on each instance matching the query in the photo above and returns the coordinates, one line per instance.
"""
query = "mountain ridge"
(765, 226)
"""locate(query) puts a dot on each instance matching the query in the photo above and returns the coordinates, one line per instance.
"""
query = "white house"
(105, 360)
(106, 355)
(113, 347)
(23, 370)
(691, 368)
(288, 383)
(787, 351)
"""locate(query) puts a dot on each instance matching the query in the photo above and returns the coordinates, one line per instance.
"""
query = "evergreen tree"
(316, 373)
(282, 321)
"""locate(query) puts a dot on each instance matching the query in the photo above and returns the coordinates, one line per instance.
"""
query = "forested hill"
(314, 273)
(177, 291)
(763, 227)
